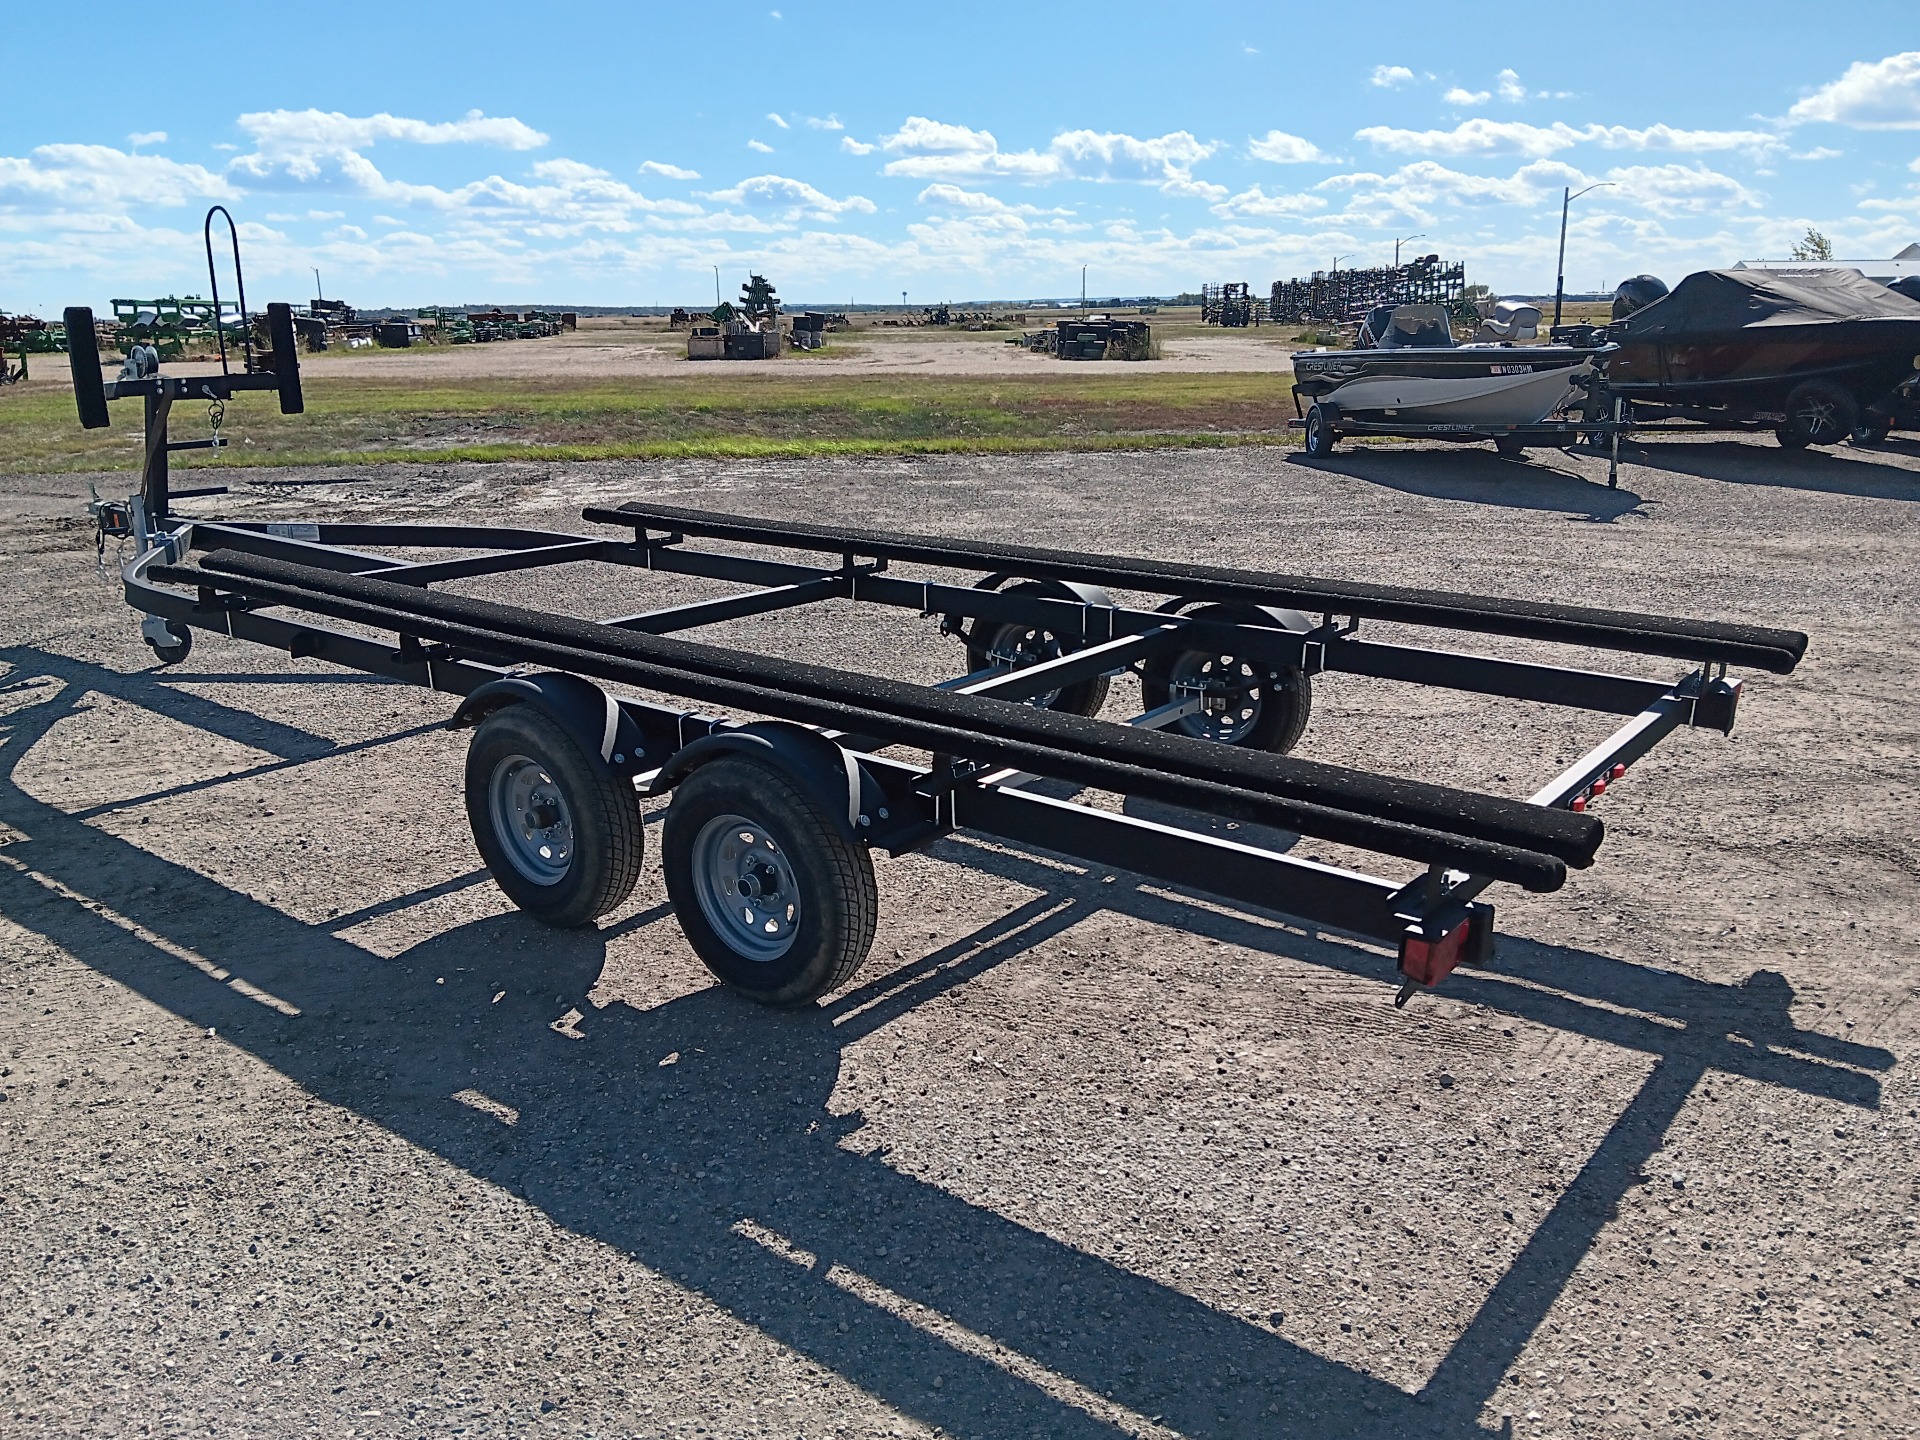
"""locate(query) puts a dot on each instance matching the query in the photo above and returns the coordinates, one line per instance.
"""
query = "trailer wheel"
(1321, 436)
(771, 894)
(1014, 643)
(1818, 413)
(1249, 703)
(559, 831)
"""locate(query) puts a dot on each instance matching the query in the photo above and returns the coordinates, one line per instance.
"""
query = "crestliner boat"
(1812, 352)
(1407, 375)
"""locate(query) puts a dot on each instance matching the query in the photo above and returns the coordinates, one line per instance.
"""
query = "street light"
(1401, 241)
(717, 302)
(1567, 197)
(1336, 262)
(1083, 292)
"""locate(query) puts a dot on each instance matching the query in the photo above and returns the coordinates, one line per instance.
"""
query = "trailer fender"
(831, 774)
(1077, 591)
(588, 714)
(1295, 620)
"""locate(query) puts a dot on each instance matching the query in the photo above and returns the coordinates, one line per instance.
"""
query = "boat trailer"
(767, 845)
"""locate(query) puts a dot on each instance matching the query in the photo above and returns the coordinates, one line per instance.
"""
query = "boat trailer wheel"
(771, 890)
(1248, 703)
(170, 642)
(1016, 644)
(1818, 413)
(531, 818)
(1321, 434)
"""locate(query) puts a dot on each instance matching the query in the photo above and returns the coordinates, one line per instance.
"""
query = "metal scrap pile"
(1335, 296)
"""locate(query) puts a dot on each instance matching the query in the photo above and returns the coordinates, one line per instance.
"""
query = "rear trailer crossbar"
(986, 746)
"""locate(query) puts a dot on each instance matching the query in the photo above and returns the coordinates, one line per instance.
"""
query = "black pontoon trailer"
(766, 846)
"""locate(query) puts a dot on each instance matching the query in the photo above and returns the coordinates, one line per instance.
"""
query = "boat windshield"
(1413, 327)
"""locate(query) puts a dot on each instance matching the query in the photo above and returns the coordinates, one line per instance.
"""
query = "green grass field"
(351, 418)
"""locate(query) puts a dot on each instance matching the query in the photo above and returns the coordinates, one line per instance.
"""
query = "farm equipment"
(1332, 297)
(1231, 305)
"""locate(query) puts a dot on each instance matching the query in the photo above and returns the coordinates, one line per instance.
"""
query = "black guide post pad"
(1522, 866)
(1697, 640)
(83, 358)
(286, 357)
(1566, 836)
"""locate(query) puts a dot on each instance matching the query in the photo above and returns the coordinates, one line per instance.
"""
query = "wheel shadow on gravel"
(696, 1136)
(1851, 472)
(1481, 477)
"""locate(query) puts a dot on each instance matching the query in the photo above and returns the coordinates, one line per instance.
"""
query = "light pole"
(717, 301)
(1336, 262)
(1567, 197)
(1401, 241)
(1083, 292)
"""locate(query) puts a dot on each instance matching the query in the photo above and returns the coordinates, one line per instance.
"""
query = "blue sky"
(614, 153)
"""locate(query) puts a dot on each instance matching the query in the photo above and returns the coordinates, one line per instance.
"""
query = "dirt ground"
(614, 346)
(306, 1132)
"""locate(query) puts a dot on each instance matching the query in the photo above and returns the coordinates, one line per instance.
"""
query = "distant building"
(1906, 263)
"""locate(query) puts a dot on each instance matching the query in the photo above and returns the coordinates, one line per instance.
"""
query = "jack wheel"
(175, 649)
(1249, 703)
(775, 899)
(1015, 644)
(558, 830)
(1321, 436)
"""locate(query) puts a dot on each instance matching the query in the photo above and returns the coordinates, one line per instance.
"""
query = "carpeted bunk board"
(1204, 776)
(1757, 645)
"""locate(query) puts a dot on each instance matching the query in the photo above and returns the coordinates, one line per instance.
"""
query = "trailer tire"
(1818, 413)
(1275, 702)
(523, 769)
(773, 896)
(1032, 643)
(1321, 435)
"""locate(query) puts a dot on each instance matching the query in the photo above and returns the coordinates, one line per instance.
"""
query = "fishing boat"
(1811, 352)
(1408, 375)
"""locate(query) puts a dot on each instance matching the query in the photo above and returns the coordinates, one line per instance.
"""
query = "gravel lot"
(306, 1132)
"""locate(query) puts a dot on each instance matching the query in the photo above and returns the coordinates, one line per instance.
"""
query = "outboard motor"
(1636, 294)
(1907, 285)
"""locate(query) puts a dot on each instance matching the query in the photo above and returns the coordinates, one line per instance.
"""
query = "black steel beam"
(830, 586)
(501, 562)
(1341, 899)
(1484, 675)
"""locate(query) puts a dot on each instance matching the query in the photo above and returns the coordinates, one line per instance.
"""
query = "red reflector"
(1428, 962)
(1618, 771)
(1579, 804)
(1599, 787)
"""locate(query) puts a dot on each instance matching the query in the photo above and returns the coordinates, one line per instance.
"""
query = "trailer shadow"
(1848, 472)
(1481, 477)
(724, 1169)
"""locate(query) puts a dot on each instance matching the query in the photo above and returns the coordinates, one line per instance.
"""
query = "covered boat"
(1810, 352)
(1407, 375)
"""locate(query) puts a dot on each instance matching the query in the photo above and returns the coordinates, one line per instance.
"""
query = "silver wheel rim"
(1018, 646)
(531, 819)
(746, 887)
(1229, 690)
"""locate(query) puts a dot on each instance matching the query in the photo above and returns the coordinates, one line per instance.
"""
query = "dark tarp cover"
(1717, 302)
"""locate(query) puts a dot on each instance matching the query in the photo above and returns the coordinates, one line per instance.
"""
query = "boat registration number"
(1510, 369)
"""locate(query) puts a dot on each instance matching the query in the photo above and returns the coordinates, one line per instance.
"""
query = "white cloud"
(102, 178)
(1280, 148)
(761, 146)
(1480, 136)
(775, 117)
(932, 149)
(1872, 95)
(1390, 77)
(793, 198)
(856, 147)
(1509, 86)
(977, 202)
(666, 171)
(1680, 189)
(1256, 202)
(1467, 99)
(1818, 152)
(824, 122)
(279, 131)
(147, 137)
(1192, 189)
